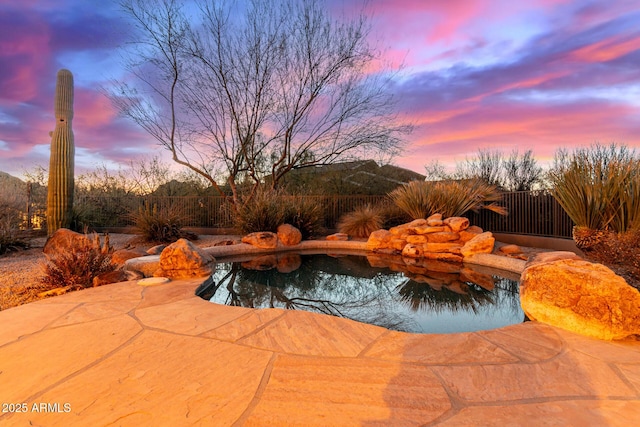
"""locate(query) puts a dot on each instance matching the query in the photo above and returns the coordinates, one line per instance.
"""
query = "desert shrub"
(420, 199)
(304, 214)
(620, 252)
(262, 211)
(362, 221)
(78, 267)
(81, 217)
(266, 209)
(599, 187)
(11, 238)
(392, 215)
(160, 224)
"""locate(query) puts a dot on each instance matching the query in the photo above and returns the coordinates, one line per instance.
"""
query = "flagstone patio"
(124, 354)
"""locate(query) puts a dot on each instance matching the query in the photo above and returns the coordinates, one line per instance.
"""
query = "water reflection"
(388, 291)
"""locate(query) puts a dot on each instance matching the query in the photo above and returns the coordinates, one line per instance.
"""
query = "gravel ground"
(21, 271)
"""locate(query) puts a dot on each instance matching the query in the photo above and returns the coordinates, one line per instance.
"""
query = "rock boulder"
(480, 244)
(581, 297)
(457, 223)
(183, 259)
(63, 240)
(289, 235)
(379, 239)
(120, 256)
(262, 239)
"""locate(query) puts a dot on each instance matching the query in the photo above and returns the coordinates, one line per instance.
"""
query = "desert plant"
(392, 215)
(620, 252)
(420, 199)
(266, 209)
(599, 188)
(362, 221)
(76, 269)
(10, 237)
(162, 224)
(262, 211)
(305, 214)
(60, 191)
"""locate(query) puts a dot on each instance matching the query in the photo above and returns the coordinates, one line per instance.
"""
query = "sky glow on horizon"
(478, 74)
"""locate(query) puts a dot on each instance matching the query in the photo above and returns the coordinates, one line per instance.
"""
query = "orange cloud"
(607, 50)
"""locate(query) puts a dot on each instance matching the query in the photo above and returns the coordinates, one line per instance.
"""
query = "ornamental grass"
(161, 224)
(599, 187)
(421, 199)
(362, 221)
(267, 208)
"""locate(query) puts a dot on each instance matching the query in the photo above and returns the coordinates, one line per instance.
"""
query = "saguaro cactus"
(61, 161)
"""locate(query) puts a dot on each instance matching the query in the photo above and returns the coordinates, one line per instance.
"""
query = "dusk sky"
(499, 74)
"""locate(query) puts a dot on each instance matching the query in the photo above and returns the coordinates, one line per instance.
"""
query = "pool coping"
(499, 262)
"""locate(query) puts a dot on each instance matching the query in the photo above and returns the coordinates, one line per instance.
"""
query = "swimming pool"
(388, 291)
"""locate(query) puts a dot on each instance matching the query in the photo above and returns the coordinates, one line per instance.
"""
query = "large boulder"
(380, 239)
(289, 235)
(427, 229)
(262, 239)
(416, 239)
(413, 251)
(453, 248)
(63, 240)
(581, 297)
(121, 256)
(457, 223)
(443, 237)
(480, 244)
(470, 233)
(434, 220)
(183, 259)
(408, 227)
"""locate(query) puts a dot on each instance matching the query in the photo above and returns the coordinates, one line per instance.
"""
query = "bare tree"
(514, 173)
(259, 91)
(521, 172)
(486, 165)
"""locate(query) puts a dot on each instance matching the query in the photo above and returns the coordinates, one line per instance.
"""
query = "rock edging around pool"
(149, 264)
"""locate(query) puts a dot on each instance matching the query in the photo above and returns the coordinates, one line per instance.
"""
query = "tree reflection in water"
(390, 294)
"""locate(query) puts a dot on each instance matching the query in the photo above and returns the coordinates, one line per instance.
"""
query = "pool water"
(387, 291)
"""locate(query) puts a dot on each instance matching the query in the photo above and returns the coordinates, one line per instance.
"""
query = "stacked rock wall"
(449, 239)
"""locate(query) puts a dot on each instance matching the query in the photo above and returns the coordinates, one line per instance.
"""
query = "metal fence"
(204, 212)
(535, 213)
(532, 213)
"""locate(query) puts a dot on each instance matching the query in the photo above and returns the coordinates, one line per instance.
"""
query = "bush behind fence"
(533, 213)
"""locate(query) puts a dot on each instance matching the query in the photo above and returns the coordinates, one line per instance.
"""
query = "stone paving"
(127, 355)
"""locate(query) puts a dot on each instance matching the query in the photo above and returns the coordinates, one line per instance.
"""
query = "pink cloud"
(541, 128)
(25, 58)
(607, 50)
(92, 109)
